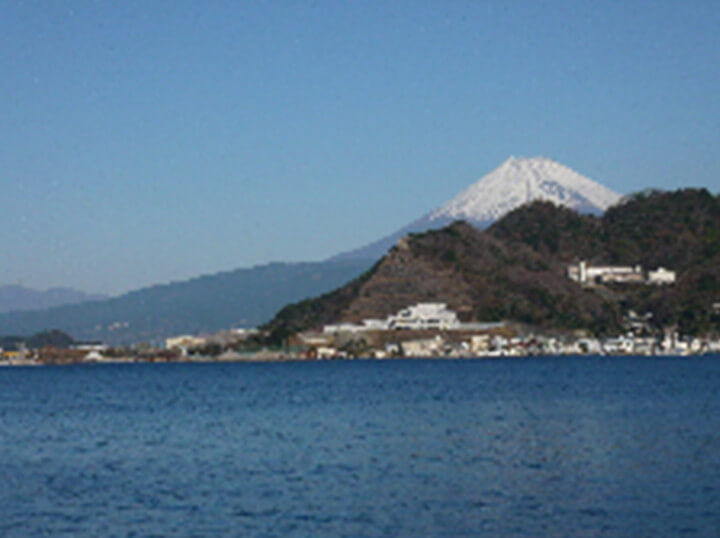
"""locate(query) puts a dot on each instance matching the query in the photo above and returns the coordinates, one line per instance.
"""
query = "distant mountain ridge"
(17, 297)
(240, 298)
(514, 183)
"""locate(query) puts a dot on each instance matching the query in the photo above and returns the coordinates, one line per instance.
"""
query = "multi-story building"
(617, 274)
(424, 316)
(661, 276)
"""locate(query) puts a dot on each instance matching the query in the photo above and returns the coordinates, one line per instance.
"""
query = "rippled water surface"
(533, 447)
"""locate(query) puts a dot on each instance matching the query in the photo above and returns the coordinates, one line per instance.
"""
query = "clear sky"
(149, 141)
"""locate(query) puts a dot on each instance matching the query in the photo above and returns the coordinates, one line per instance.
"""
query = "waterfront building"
(184, 342)
(426, 347)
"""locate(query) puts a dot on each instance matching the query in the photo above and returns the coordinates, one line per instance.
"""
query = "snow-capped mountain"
(515, 182)
(519, 181)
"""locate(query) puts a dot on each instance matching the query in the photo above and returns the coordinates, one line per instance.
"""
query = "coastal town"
(543, 280)
(421, 330)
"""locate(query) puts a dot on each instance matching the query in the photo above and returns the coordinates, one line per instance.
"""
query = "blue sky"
(143, 142)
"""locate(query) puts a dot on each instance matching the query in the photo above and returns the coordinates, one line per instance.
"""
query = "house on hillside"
(661, 277)
(420, 317)
(424, 316)
(604, 274)
(587, 275)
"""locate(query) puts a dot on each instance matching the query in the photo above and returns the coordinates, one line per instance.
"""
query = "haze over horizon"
(149, 142)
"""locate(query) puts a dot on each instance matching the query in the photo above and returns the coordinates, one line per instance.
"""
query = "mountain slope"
(477, 275)
(516, 270)
(515, 182)
(15, 297)
(678, 230)
(245, 298)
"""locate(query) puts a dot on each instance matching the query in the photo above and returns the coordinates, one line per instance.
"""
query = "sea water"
(522, 447)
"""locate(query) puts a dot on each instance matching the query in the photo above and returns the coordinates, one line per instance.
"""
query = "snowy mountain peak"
(515, 182)
(521, 180)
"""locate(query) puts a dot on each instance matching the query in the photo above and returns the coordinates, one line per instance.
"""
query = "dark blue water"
(535, 447)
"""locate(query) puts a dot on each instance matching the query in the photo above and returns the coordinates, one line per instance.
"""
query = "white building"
(91, 346)
(480, 343)
(428, 347)
(587, 345)
(661, 276)
(618, 274)
(375, 324)
(344, 328)
(622, 345)
(589, 274)
(94, 356)
(434, 316)
(184, 342)
(422, 316)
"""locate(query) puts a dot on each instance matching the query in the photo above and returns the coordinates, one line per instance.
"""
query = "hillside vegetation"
(678, 230)
(516, 270)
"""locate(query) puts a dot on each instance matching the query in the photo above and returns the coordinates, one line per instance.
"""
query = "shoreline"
(277, 360)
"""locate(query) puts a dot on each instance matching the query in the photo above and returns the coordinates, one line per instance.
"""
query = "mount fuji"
(515, 182)
(248, 297)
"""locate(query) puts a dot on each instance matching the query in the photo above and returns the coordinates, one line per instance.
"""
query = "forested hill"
(479, 276)
(516, 270)
(678, 229)
(53, 338)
